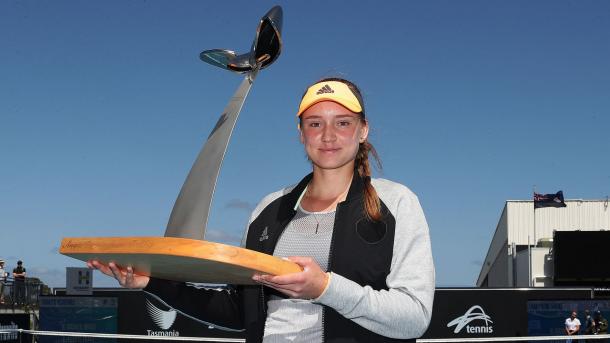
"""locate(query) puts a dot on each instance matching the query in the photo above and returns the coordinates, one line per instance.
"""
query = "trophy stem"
(190, 214)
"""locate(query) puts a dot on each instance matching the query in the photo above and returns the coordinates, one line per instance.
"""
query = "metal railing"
(16, 293)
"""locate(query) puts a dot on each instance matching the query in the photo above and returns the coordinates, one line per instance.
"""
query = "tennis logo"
(474, 313)
(164, 319)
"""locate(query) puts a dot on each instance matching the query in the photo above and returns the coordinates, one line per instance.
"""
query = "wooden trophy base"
(178, 259)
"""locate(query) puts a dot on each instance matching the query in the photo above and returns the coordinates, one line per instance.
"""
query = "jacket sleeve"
(220, 307)
(405, 308)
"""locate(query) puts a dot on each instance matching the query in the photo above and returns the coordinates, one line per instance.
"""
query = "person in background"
(2, 280)
(572, 325)
(601, 325)
(19, 283)
(589, 324)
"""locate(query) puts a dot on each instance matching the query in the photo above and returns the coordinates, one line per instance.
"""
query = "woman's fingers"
(129, 277)
(283, 280)
(111, 270)
(281, 288)
(95, 264)
(118, 274)
(308, 284)
(125, 276)
(302, 261)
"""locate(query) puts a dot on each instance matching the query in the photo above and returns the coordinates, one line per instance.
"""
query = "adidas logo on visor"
(325, 89)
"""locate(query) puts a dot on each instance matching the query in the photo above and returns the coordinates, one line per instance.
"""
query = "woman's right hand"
(124, 276)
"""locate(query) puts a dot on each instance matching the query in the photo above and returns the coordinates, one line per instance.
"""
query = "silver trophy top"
(266, 47)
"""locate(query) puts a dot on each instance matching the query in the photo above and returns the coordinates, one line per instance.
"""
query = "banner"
(78, 314)
(457, 312)
(489, 312)
(139, 313)
(547, 318)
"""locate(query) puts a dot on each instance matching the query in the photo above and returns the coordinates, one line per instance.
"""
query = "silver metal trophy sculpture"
(182, 254)
(190, 214)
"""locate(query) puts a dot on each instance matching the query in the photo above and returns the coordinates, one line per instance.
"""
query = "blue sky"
(105, 105)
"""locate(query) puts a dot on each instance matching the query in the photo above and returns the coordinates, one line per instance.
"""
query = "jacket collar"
(355, 192)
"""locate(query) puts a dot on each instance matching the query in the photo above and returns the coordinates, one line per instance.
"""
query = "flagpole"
(534, 215)
(543, 201)
(529, 262)
(529, 246)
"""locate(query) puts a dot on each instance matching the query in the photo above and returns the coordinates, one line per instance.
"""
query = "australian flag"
(549, 200)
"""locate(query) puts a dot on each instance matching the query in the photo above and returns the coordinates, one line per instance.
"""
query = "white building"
(519, 253)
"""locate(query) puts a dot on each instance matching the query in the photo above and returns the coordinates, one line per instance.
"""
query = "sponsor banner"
(159, 319)
(13, 321)
(488, 312)
(140, 313)
(465, 312)
(78, 314)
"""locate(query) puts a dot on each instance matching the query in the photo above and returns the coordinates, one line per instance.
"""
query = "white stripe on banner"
(241, 340)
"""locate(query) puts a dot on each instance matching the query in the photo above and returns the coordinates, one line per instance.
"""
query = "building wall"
(499, 272)
(586, 215)
(520, 225)
(497, 246)
(522, 271)
(542, 268)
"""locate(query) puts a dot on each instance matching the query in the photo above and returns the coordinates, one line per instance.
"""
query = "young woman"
(363, 244)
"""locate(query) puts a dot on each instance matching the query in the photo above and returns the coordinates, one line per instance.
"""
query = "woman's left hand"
(308, 284)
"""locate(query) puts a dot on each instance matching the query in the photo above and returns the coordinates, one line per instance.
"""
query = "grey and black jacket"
(382, 274)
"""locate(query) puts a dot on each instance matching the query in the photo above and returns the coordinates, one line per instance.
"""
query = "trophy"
(183, 254)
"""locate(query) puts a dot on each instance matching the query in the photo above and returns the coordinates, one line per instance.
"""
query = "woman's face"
(331, 135)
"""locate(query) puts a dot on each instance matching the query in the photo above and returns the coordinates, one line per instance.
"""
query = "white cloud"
(239, 205)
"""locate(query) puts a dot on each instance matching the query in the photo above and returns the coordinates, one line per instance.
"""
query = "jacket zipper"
(262, 288)
(263, 309)
(330, 255)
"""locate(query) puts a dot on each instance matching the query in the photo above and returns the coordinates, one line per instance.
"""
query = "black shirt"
(19, 270)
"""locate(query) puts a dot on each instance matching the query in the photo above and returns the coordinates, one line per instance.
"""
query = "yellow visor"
(335, 91)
